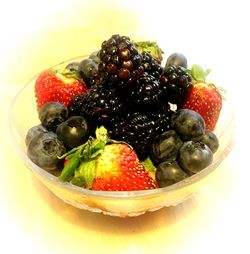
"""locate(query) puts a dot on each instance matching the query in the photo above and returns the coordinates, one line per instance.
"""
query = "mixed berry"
(122, 120)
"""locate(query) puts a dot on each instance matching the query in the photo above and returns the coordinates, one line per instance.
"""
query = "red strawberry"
(54, 86)
(203, 98)
(118, 169)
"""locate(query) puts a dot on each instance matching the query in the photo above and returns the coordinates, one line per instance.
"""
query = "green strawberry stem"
(69, 168)
(198, 73)
(85, 174)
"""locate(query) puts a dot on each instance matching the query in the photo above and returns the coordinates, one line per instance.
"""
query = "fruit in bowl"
(118, 133)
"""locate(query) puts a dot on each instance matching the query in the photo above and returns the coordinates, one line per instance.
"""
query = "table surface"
(35, 35)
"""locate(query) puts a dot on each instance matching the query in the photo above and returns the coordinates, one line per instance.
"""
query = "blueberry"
(73, 132)
(176, 59)
(168, 173)
(211, 140)
(44, 149)
(34, 131)
(165, 147)
(73, 67)
(194, 156)
(88, 70)
(95, 57)
(52, 114)
(188, 124)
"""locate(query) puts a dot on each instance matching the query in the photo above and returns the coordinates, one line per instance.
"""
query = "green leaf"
(85, 173)
(150, 47)
(85, 151)
(70, 153)
(96, 148)
(198, 73)
(78, 181)
(101, 134)
(69, 168)
(149, 165)
(92, 149)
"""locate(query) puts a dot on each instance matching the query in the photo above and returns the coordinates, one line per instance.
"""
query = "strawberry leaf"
(150, 47)
(96, 148)
(69, 168)
(198, 73)
(148, 164)
(85, 174)
(101, 134)
(78, 181)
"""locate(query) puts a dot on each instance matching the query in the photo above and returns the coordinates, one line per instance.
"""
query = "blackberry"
(100, 104)
(75, 107)
(177, 83)
(151, 65)
(136, 129)
(146, 93)
(120, 60)
(161, 119)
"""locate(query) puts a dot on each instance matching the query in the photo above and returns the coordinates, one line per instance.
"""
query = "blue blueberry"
(73, 67)
(44, 150)
(168, 173)
(73, 132)
(165, 147)
(194, 156)
(188, 124)
(34, 131)
(52, 114)
(88, 70)
(95, 56)
(211, 140)
(176, 59)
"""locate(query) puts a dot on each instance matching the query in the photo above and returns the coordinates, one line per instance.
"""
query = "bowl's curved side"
(125, 206)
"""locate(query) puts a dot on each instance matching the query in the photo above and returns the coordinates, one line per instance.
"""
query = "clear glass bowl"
(23, 115)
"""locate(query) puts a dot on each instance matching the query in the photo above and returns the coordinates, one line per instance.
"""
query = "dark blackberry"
(100, 104)
(136, 129)
(120, 60)
(146, 93)
(75, 107)
(177, 83)
(151, 65)
(161, 119)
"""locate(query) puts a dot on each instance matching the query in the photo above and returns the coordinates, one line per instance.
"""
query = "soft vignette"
(36, 34)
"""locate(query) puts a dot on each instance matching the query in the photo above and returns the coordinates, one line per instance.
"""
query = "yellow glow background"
(38, 34)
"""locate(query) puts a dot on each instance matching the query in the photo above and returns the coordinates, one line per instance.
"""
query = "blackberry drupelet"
(134, 128)
(147, 93)
(120, 60)
(75, 107)
(161, 119)
(100, 104)
(177, 83)
(151, 65)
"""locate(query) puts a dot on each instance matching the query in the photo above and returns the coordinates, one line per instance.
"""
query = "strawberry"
(97, 165)
(52, 85)
(203, 98)
(118, 169)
